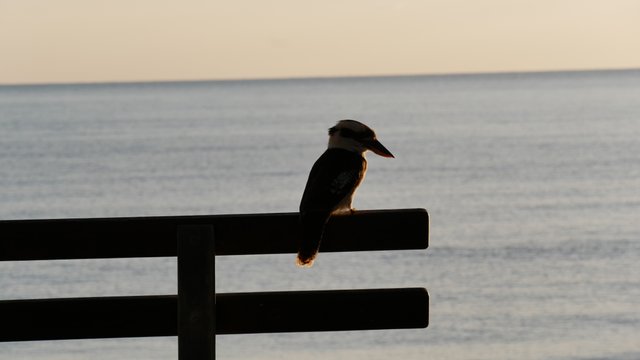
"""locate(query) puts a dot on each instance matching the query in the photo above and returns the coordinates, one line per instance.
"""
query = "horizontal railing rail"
(235, 235)
(236, 313)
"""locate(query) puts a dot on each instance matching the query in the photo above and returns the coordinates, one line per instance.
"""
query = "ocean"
(531, 180)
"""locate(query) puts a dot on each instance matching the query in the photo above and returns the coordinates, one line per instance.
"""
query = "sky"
(69, 41)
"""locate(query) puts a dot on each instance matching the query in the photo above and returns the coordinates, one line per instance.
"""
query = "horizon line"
(320, 77)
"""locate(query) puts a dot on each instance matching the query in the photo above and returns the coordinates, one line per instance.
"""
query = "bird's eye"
(332, 130)
(348, 133)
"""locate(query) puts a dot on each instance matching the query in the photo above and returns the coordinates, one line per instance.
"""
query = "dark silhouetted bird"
(333, 180)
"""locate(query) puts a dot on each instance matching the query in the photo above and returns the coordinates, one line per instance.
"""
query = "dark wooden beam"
(235, 235)
(333, 310)
(88, 318)
(237, 313)
(196, 293)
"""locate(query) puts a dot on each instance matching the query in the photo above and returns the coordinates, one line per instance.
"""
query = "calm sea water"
(532, 182)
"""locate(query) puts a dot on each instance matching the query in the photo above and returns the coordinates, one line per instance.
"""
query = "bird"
(332, 182)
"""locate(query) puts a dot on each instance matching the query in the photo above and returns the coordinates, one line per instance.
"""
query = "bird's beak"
(375, 146)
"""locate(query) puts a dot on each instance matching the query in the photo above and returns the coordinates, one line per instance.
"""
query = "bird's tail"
(312, 223)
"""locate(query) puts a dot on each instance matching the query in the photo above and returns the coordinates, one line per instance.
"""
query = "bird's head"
(355, 136)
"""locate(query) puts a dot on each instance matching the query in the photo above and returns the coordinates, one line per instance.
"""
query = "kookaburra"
(333, 180)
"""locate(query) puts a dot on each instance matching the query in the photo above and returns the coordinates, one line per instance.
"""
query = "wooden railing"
(196, 314)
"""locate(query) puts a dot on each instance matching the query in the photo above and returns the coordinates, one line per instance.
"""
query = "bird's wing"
(344, 182)
(333, 177)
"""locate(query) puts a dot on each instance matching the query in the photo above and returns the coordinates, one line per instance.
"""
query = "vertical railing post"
(196, 292)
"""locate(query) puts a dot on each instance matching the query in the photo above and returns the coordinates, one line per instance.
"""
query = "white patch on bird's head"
(357, 137)
(350, 135)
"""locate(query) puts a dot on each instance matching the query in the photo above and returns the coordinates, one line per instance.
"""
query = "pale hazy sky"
(44, 41)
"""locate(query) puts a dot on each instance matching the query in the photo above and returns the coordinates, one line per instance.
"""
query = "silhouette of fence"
(196, 314)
